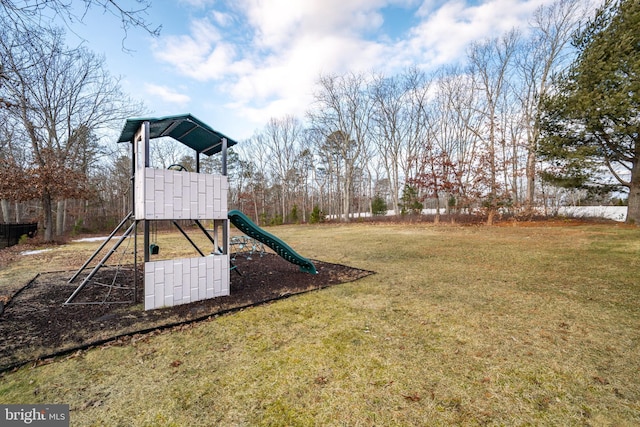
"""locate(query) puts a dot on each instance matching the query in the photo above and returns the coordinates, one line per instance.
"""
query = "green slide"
(248, 227)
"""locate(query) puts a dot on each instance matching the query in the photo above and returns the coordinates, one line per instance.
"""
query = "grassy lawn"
(460, 325)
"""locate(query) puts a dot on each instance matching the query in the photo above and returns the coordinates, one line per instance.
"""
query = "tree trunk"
(255, 208)
(60, 217)
(6, 214)
(284, 208)
(633, 208)
(396, 192)
(47, 211)
(490, 215)
(531, 180)
(346, 202)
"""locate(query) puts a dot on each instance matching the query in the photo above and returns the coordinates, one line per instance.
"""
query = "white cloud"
(221, 18)
(278, 22)
(167, 94)
(192, 54)
(268, 54)
(444, 33)
(287, 46)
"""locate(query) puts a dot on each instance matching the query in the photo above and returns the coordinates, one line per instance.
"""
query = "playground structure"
(245, 245)
(175, 194)
(244, 224)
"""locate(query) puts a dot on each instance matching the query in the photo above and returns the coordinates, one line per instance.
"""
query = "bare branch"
(31, 13)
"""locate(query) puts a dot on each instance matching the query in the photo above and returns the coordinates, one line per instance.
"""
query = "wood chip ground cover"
(35, 324)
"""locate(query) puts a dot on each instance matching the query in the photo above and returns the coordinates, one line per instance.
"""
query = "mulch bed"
(35, 325)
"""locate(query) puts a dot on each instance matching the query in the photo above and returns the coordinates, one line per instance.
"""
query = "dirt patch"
(35, 324)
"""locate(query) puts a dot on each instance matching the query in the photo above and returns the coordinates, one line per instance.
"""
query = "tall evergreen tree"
(593, 119)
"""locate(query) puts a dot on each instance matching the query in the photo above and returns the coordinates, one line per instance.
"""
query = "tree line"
(513, 129)
(473, 138)
(537, 118)
(55, 102)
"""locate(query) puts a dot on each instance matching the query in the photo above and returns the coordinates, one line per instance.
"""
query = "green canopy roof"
(183, 128)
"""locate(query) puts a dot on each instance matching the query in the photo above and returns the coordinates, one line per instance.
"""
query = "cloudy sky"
(236, 63)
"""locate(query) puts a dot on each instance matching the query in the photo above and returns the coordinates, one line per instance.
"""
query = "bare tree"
(29, 13)
(59, 99)
(390, 117)
(254, 152)
(445, 141)
(399, 124)
(455, 120)
(418, 98)
(490, 63)
(342, 114)
(165, 152)
(540, 56)
(8, 169)
(306, 168)
(283, 138)
(325, 165)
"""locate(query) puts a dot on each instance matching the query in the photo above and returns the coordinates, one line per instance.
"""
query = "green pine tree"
(378, 206)
(410, 201)
(593, 119)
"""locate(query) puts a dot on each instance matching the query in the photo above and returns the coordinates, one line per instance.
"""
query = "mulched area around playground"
(35, 325)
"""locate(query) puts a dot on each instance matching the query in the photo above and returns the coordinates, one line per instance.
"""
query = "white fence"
(616, 213)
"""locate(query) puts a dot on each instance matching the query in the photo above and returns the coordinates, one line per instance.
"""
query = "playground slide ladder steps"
(102, 262)
(248, 227)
